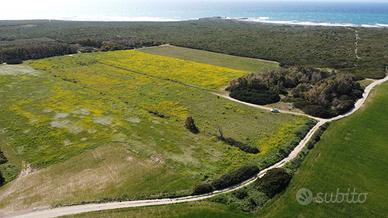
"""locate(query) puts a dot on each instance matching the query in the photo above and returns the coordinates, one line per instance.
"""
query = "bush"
(3, 159)
(2, 179)
(273, 182)
(235, 143)
(14, 61)
(255, 96)
(158, 114)
(235, 177)
(190, 125)
(317, 136)
(317, 111)
(242, 146)
(203, 189)
(241, 194)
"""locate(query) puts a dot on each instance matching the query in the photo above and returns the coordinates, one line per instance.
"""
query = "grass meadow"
(189, 210)
(234, 62)
(351, 155)
(110, 126)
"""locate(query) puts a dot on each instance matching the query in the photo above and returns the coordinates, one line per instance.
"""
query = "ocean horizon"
(348, 14)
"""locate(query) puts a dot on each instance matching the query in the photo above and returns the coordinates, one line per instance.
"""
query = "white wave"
(247, 19)
(382, 25)
(309, 23)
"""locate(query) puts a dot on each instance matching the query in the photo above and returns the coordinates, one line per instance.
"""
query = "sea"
(322, 13)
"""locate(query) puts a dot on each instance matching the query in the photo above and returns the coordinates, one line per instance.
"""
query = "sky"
(65, 9)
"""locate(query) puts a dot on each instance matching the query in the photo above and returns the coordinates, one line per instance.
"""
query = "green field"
(110, 126)
(351, 154)
(218, 59)
(189, 210)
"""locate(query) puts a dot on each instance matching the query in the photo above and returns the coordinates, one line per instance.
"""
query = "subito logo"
(304, 196)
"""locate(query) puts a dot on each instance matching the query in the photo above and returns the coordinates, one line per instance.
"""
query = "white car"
(275, 110)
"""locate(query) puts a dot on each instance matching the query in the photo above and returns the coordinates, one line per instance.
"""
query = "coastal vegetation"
(105, 123)
(316, 92)
(314, 46)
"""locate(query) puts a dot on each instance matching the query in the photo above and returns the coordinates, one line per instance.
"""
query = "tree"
(2, 180)
(190, 125)
(273, 182)
(316, 92)
(203, 189)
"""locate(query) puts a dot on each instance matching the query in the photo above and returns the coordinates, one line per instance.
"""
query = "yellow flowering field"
(121, 115)
(188, 72)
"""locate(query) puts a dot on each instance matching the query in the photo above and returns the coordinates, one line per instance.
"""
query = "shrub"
(318, 93)
(14, 61)
(241, 194)
(203, 189)
(317, 136)
(235, 177)
(2, 180)
(242, 146)
(190, 125)
(317, 111)
(255, 96)
(235, 143)
(3, 159)
(158, 114)
(273, 182)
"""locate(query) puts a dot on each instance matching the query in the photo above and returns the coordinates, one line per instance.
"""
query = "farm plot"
(106, 126)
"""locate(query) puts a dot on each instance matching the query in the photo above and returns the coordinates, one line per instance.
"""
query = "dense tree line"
(17, 51)
(228, 180)
(14, 52)
(318, 93)
(331, 47)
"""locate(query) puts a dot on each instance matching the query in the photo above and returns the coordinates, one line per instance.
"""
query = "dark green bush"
(190, 125)
(242, 146)
(317, 136)
(260, 97)
(241, 194)
(235, 177)
(14, 61)
(317, 111)
(2, 179)
(203, 189)
(235, 143)
(3, 159)
(158, 114)
(273, 182)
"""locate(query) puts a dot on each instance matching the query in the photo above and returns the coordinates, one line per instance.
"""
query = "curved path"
(70, 210)
(267, 108)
